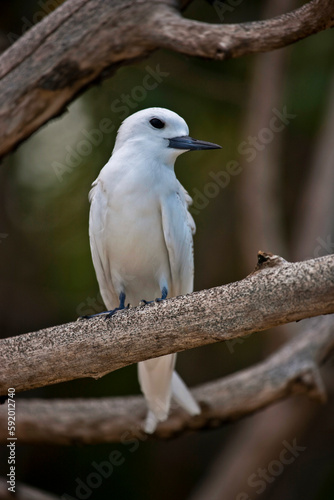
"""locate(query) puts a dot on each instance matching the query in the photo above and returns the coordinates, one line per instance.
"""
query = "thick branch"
(84, 40)
(216, 41)
(293, 369)
(273, 295)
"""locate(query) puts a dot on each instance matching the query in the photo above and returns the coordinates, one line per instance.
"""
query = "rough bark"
(86, 40)
(276, 293)
(291, 370)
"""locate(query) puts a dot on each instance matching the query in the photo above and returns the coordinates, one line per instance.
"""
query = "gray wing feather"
(98, 243)
(178, 228)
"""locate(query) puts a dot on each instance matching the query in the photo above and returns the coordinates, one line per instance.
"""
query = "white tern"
(141, 236)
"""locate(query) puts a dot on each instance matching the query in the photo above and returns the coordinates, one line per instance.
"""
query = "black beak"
(189, 144)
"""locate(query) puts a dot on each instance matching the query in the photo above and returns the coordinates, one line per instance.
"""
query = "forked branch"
(85, 40)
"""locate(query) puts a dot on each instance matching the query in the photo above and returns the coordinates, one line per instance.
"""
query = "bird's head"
(159, 133)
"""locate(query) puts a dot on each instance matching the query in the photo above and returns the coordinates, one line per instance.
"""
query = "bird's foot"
(110, 313)
(164, 293)
(144, 302)
(107, 314)
(90, 316)
(113, 311)
(119, 308)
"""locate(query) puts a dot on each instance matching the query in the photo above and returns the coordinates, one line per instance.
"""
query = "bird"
(141, 236)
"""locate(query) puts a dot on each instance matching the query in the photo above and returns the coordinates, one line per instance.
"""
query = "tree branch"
(84, 40)
(291, 370)
(217, 41)
(276, 293)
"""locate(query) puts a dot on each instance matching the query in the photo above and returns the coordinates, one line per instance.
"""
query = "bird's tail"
(155, 382)
(159, 382)
(183, 396)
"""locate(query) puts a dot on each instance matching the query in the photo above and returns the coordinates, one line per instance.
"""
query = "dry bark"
(86, 40)
(277, 293)
(293, 369)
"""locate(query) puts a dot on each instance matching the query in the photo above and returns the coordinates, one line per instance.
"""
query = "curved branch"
(217, 41)
(84, 40)
(276, 293)
(291, 370)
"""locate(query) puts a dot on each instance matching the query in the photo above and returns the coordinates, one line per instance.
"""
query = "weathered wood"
(268, 297)
(293, 369)
(86, 40)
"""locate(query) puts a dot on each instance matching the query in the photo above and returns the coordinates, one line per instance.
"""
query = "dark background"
(280, 202)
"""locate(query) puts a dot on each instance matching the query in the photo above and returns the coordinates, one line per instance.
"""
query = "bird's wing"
(188, 202)
(98, 243)
(178, 228)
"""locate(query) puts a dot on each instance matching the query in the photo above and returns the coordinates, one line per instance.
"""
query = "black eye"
(156, 123)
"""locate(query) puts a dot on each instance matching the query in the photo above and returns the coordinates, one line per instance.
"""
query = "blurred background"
(275, 194)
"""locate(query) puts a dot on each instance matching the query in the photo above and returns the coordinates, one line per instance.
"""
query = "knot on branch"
(310, 381)
(268, 259)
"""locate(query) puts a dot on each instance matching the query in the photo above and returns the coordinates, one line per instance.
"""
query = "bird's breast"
(134, 243)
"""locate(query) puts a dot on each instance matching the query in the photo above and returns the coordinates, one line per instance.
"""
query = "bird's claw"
(106, 314)
(109, 314)
(144, 302)
(89, 316)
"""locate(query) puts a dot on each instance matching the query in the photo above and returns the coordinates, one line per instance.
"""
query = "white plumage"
(141, 235)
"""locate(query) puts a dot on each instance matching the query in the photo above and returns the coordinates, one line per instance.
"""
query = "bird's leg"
(164, 293)
(108, 314)
(120, 307)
